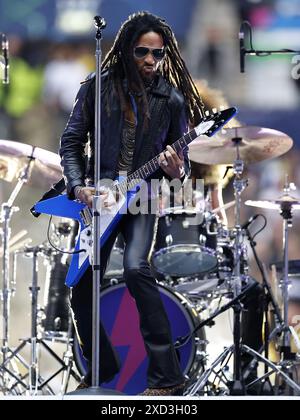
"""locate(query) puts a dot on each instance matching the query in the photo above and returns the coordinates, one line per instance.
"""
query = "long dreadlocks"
(120, 64)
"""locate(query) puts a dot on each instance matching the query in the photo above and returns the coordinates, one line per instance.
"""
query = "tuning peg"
(215, 110)
(207, 113)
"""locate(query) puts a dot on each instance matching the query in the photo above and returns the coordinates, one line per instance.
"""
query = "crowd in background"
(45, 75)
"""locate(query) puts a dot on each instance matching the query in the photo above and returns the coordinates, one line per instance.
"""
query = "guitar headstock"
(215, 120)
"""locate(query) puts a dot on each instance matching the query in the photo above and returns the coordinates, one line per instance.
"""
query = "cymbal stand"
(7, 210)
(33, 366)
(36, 383)
(288, 358)
(34, 360)
(286, 213)
(236, 384)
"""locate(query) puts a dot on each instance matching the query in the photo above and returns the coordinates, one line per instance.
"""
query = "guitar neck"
(152, 165)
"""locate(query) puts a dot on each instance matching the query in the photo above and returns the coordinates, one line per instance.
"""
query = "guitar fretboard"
(153, 165)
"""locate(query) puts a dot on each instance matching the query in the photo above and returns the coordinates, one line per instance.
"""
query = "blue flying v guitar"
(126, 189)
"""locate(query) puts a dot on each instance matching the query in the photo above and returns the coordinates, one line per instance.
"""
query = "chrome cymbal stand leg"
(288, 358)
(6, 292)
(286, 213)
(218, 371)
(34, 359)
(237, 386)
(34, 379)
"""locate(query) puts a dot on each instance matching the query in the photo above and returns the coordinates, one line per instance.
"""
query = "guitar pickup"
(86, 216)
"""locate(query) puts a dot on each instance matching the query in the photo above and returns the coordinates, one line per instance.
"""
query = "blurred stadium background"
(52, 50)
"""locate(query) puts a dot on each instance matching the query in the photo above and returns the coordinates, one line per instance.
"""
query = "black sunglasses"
(157, 53)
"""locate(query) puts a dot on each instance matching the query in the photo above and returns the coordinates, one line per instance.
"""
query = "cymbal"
(276, 204)
(45, 167)
(257, 144)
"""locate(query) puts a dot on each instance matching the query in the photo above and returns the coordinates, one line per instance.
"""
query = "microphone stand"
(4, 60)
(96, 263)
(254, 52)
(95, 389)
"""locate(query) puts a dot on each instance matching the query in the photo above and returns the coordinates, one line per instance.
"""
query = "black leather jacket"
(80, 128)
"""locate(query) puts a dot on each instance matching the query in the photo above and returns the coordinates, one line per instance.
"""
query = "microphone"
(99, 22)
(5, 52)
(248, 223)
(242, 50)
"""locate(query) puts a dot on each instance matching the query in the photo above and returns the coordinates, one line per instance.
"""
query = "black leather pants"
(163, 369)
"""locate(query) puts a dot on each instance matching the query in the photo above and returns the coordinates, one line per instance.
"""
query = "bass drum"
(121, 321)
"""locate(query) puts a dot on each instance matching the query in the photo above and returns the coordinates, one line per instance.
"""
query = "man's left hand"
(171, 163)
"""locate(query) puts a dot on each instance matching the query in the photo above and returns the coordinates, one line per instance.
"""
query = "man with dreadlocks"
(148, 100)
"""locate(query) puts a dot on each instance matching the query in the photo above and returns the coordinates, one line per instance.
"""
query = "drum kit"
(39, 168)
(196, 265)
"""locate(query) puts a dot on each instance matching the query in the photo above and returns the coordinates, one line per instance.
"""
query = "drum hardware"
(285, 204)
(32, 367)
(187, 239)
(205, 384)
(269, 300)
(7, 210)
(17, 241)
(202, 381)
(236, 385)
(27, 164)
(219, 369)
(36, 383)
(239, 185)
(204, 290)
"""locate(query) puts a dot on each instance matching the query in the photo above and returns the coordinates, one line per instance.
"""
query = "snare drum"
(186, 244)
(121, 321)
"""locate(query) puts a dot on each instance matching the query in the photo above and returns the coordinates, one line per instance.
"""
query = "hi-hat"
(256, 144)
(45, 168)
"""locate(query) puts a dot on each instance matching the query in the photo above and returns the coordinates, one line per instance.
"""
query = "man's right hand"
(86, 194)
